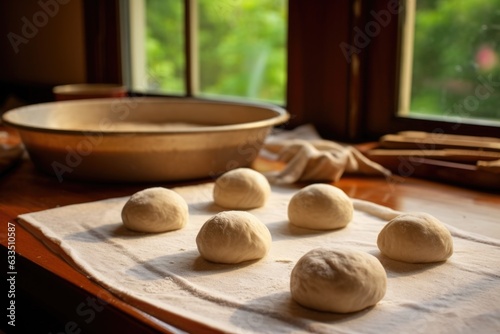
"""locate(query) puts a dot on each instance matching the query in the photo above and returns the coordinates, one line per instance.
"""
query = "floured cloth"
(310, 158)
(163, 273)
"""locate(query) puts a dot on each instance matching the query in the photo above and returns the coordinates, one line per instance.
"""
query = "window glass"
(164, 46)
(242, 48)
(456, 60)
(238, 48)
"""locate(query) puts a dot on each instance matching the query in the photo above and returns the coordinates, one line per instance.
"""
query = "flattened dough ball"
(320, 207)
(338, 280)
(233, 237)
(415, 238)
(241, 189)
(155, 210)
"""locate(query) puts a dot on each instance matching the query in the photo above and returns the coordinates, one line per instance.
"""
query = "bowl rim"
(88, 88)
(280, 117)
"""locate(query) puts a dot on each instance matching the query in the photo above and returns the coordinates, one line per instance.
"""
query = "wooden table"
(55, 298)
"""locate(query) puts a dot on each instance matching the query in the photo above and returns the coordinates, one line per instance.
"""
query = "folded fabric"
(310, 158)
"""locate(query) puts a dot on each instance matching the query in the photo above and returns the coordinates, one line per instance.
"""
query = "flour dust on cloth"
(310, 158)
(163, 273)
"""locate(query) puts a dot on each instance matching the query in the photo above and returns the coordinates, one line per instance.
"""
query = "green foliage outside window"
(456, 69)
(165, 46)
(241, 47)
(242, 52)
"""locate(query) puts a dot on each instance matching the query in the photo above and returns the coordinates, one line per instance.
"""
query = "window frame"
(381, 102)
(348, 101)
(102, 41)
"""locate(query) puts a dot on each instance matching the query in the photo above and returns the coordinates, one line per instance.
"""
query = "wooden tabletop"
(52, 296)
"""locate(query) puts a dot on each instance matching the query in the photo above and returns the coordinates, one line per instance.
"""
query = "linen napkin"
(310, 158)
(163, 273)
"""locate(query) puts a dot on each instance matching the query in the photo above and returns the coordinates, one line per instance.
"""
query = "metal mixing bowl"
(141, 139)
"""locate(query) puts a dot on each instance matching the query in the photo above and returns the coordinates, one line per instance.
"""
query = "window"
(236, 48)
(356, 69)
(154, 46)
(452, 52)
(411, 73)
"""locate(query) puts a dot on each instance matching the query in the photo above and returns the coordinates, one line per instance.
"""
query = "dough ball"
(320, 207)
(415, 238)
(241, 189)
(338, 280)
(233, 237)
(155, 210)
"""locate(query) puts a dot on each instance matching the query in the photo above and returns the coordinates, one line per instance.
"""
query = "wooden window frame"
(102, 41)
(355, 100)
(380, 101)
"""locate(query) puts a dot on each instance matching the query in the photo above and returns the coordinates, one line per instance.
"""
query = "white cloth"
(310, 158)
(164, 274)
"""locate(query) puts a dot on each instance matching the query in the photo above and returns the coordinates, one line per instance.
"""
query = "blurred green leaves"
(242, 47)
(242, 52)
(456, 49)
(165, 46)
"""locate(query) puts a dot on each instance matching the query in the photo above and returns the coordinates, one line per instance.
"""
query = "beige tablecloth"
(165, 272)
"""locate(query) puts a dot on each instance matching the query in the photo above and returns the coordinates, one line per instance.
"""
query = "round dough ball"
(233, 237)
(155, 210)
(320, 207)
(241, 189)
(338, 280)
(415, 238)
